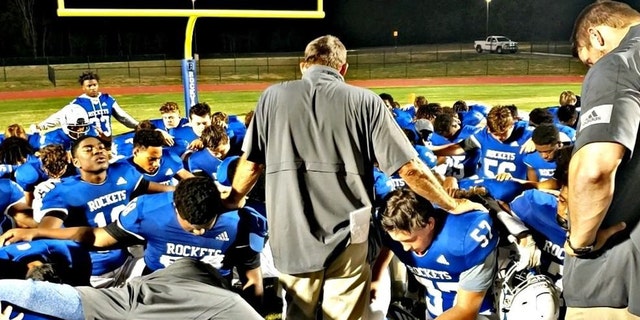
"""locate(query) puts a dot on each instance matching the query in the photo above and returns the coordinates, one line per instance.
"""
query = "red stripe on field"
(378, 83)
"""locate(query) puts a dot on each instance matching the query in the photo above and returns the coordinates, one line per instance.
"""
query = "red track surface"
(379, 83)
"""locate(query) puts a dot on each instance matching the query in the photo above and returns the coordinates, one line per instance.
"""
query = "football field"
(143, 102)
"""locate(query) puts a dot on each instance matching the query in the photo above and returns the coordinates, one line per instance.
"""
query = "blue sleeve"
(257, 227)
(130, 219)
(54, 200)
(480, 241)
(26, 176)
(15, 192)
(132, 176)
(174, 161)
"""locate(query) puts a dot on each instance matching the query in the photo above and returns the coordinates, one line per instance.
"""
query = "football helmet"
(528, 295)
(75, 122)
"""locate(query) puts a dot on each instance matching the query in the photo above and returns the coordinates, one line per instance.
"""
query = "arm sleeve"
(479, 277)
(115, 230)
(123, 117)
(52, 121)
(470, 143)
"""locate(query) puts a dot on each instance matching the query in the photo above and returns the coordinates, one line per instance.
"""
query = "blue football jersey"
(153, 218)
(403, 118)
(465, 241)
(544, 169)
(30, 174)
(502, 156)
(481, 108)
(50, 250)
(383, 184)
(554, 112)
(427, 156)
(159, 124)
(11, 194)
(99, 110)
(504, 191)
(471, 118)
(57, 136)
(182, 137)
(568, 131)
(204, 161)
(538, 209)
(459, 166)
(95, 205)
(170, 164)
(122, 145)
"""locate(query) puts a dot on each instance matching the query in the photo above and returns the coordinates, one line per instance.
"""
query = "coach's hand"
(466, 205)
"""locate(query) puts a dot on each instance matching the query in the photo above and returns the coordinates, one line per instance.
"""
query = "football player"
(188, 223)
(453, 256)
(541, 164)
(501, 145)
(448, 130)
(95, 198)
(98, 106)
(74, 124)
(153, 161)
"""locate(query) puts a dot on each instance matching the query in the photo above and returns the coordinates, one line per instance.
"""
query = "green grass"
(145, 106)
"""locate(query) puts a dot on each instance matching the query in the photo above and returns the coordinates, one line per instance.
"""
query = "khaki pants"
(344, 285)
(599, 313)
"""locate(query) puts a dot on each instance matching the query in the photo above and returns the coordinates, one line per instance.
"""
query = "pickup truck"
(498, 44)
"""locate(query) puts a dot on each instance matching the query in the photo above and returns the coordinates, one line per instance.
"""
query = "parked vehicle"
(498, 44)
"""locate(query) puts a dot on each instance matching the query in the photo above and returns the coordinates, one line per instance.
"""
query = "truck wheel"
(514, 50)
(499, 49)
(478, 49)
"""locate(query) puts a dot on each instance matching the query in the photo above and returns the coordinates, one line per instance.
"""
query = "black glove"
(490, 203)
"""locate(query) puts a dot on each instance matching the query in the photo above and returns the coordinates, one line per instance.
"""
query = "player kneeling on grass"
(453, 256)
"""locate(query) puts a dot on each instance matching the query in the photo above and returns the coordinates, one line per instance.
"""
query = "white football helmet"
(527, 295)
(75, 122)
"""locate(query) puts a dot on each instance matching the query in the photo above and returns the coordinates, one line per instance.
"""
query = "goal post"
(188, 64)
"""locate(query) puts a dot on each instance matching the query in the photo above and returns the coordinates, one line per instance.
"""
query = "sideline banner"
(189, 83)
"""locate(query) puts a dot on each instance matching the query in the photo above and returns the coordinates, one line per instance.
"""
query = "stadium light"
(487, 29)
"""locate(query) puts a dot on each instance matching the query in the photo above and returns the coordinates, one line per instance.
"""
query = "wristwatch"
(581, 251)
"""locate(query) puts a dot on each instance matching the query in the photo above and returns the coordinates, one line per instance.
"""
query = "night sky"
(359, 23)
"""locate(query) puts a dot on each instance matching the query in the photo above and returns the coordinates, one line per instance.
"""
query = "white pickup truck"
(498, 44)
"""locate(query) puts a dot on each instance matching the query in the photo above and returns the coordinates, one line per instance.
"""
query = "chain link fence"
(371, 63)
